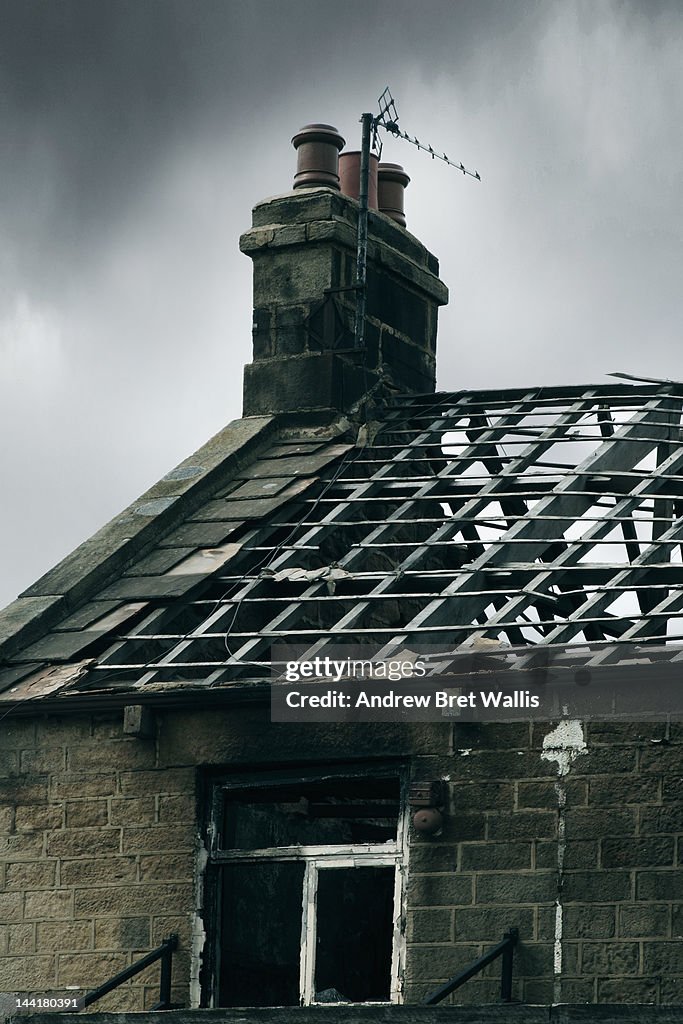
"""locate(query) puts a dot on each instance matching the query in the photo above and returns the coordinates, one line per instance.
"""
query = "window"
(307, 886)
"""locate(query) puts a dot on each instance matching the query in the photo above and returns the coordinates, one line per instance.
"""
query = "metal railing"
(164, 952)
(504, 949)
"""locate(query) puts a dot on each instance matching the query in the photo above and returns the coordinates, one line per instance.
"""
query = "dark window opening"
(261, 935)
(333, 811)
(354, 934)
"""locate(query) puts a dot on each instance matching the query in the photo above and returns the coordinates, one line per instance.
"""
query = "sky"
(136, 136)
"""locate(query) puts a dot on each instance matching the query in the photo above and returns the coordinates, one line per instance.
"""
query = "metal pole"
(165, 978)
(362, 248)
(506, 966)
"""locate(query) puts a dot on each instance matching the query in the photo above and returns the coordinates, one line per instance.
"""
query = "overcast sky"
(136, 135)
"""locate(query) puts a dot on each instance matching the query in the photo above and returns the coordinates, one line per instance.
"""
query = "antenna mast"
(386, 118)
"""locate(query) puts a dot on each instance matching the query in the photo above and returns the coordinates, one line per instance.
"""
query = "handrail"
(164, 952)
(503, 949)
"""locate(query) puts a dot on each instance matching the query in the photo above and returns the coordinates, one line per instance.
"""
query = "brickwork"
(496, 866)
(99, 833)
(96, 857)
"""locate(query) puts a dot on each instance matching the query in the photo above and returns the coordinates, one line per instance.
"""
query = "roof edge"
(143, 523)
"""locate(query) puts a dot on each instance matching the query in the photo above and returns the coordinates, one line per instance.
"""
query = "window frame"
(392, 853)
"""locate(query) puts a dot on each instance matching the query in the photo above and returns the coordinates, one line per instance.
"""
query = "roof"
(532, 517)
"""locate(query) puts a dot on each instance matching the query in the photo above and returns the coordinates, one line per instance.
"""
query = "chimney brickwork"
(303, 246)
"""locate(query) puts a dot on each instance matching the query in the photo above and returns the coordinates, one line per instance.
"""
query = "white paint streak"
(563, 744)
(557, 946)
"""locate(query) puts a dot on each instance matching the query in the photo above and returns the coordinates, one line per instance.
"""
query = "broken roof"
(532, 517)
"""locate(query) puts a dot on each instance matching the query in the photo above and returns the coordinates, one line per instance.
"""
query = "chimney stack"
(303, 247)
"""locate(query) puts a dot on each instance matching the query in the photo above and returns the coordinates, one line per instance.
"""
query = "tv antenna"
(387, 119)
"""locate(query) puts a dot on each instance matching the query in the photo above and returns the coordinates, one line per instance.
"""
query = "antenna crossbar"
(387, 118)
(394, 129)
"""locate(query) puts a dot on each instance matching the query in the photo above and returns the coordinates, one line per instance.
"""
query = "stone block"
(134, 901)
(627, 733)
(606, 761)
(629, 990)
(622, 790)
(658, 820)
(29, 974)
(491, 735)
(31, 875)
(11, 907)
(659, 885)
(83, 842)
(495, 856)
(66, 937)
(435, 890)
(610, 958)
(49, 906)
(654, 852)
(596, 886)
(662, 958)
(482, 796)
(21, 939)
(662, 760)
(36, 818)
(426, 856)
(157, 838)
(544, 794)
(515, 888)
(77, 786)
(180, 809)
(589, 922)
(593, 823)
(162, 780)
(101, 871)
(23, 790)
(134, 810)
(430, 926)
(461, 827)
(522, 825)
(644, 921)
(86, 813)
(123, 933)
(492, 766)
(166, 867)
(124, 754)
(489, 924)
(21, 845)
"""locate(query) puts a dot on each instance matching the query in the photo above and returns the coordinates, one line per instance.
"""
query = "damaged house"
(146, 791)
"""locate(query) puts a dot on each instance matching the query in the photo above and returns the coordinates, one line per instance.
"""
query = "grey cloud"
(137, 134)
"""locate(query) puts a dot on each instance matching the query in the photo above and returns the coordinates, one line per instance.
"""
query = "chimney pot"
(349, 176)
(392, 182)
(317, 149)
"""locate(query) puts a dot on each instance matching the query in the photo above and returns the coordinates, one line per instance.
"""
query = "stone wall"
(585, 864)
(98, 841)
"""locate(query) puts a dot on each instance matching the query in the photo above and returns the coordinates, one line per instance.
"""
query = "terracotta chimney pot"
(392, 181)
(317, 149)
(349, 176)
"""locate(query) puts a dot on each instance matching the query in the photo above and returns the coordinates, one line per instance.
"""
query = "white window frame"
(328, 857)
